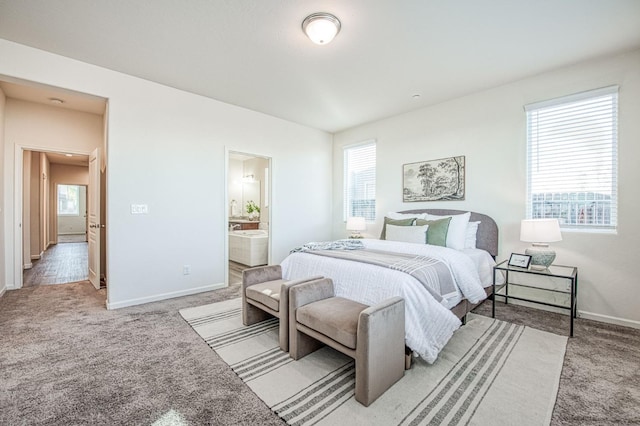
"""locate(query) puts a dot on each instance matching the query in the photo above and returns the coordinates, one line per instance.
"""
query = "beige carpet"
(491, 372)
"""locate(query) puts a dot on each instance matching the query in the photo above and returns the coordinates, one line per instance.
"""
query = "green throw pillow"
(398, 222)
(437, 232)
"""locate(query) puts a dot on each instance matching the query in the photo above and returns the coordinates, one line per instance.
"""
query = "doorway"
(248, 213)
(49, 121)
(54, 228)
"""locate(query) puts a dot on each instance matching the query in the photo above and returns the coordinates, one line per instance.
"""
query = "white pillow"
(393, 215)
(407, 234)
(457, 229)
(470, 237)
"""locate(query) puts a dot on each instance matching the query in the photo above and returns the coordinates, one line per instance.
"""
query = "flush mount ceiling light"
(321, 27)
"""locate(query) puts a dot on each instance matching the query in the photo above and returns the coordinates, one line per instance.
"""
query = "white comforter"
(428, 324)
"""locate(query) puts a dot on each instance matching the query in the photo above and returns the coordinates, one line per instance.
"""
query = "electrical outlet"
(186, 270)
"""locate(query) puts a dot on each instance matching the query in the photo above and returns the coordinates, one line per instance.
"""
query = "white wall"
(489, 129)
(166, 149)
(35, 205)
(3, 204)
(235, 187)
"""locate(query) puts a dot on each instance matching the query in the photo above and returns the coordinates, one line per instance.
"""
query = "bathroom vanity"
(242, 225)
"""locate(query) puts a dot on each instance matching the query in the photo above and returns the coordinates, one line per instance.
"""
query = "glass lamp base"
(541, 256)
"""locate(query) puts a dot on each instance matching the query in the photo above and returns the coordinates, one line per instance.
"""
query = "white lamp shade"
(356, 224)
(540, 230)
(321, 28)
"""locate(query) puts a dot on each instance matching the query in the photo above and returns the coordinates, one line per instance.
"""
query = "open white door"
(93, 210)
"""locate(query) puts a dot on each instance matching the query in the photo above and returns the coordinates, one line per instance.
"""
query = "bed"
(430, 321)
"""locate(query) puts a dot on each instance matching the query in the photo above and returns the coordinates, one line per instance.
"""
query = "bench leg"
(251, 314)
(301, 345)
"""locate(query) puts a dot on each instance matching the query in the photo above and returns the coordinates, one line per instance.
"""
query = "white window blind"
(572, 159)
(360, 181)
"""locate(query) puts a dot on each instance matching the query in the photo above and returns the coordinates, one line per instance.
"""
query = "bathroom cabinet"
(242, 225)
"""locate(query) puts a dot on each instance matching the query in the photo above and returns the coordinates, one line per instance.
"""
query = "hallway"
(61, 263)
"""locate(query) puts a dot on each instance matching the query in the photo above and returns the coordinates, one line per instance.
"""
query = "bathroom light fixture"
(68, 155)
(540, 232)
(356, 224)
(321, 27)
(248, 178)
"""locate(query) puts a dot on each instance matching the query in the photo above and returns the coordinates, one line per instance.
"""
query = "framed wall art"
(434, 180)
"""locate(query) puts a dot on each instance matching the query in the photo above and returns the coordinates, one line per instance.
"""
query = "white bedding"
(428, 324)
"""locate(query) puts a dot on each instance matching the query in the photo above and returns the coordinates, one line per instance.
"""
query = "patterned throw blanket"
(433, 274)
(330, 245)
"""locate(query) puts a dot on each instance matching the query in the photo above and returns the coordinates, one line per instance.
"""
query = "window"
(572, 159)
(360, 181)
(68, 200)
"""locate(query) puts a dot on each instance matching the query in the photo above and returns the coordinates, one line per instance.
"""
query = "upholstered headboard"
(487, 236)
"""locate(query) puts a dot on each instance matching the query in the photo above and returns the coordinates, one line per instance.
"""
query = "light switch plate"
(139, 209)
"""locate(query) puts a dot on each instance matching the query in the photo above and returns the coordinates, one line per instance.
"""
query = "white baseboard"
(609, 319)
(163, 296)
(35, 257)
(71, 233)
(581, 314)
(27, 265)
(3, 290)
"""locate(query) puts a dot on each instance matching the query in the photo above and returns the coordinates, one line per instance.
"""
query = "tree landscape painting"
(435, 180)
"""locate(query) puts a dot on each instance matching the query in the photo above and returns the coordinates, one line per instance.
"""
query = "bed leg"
(464, 320)
(408, 358)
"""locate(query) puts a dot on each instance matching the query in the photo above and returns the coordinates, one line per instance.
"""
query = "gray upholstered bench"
(265, 295)
(372, 335)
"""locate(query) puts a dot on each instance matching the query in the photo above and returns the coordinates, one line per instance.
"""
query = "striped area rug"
(490, 372)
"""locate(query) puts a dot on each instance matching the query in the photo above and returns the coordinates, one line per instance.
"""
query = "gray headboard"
(487, 236)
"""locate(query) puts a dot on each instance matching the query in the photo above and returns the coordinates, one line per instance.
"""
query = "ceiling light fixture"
(68, 155)
(57, 101)
(321, 27)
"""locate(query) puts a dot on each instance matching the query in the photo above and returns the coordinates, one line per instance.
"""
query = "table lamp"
(540, 232)
(355, 225)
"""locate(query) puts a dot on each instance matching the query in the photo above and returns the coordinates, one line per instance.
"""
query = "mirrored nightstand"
(534, 290)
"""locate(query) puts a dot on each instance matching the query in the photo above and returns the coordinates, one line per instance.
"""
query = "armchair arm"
(261, 274)
(309, 292)
(379, 349)
(286, 288)
(387, 317)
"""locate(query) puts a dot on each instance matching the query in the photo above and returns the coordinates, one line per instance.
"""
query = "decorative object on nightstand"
(355, 225)
(540, 232)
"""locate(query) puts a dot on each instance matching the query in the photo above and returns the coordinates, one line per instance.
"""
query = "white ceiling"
(39, 93)
(252, 53)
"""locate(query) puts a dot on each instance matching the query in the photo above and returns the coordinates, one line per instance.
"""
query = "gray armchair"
(264, 295)
(372, 335)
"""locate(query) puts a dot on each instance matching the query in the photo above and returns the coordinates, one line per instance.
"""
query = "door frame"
(225, 203)
(18, 195)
